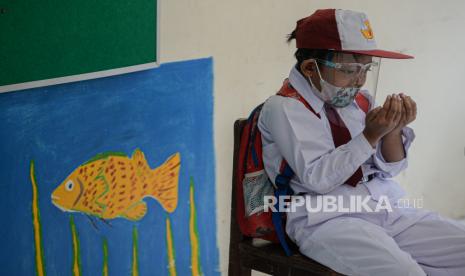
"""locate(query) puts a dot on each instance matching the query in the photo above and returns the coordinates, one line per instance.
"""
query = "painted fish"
(112, 185)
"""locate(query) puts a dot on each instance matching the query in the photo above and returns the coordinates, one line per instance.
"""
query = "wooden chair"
(246, 253)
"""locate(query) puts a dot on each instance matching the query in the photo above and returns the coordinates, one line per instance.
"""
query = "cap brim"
(380, 53)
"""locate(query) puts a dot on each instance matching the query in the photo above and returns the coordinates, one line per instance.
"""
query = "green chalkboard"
(43, 39)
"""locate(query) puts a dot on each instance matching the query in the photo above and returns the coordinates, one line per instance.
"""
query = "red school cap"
(340, 30)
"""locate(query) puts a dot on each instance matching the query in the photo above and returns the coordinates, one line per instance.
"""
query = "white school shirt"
(290, 131)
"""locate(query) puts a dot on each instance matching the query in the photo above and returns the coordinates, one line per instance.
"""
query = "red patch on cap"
(318, 31)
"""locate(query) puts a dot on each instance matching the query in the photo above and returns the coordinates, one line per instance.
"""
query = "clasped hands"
(397, 111)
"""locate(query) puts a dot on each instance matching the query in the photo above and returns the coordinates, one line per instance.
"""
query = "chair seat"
(270, 258)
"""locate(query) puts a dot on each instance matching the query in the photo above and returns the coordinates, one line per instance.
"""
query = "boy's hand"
(383, 119)
(409, 112)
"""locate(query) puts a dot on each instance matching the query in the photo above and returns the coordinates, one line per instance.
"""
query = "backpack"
(253, 184)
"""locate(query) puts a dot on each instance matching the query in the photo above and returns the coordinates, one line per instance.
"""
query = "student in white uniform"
(401, 241)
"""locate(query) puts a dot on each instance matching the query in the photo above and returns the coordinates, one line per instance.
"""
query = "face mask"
(334, 95)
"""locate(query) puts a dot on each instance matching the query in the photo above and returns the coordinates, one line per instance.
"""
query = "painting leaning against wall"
(98, 176)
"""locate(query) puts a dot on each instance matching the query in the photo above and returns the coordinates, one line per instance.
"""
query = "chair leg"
(246, 271)
(236, 265)
(283, 271)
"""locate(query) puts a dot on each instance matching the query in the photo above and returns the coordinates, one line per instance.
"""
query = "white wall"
(246, 39)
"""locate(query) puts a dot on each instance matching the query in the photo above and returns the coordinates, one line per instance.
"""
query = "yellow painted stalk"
(39, 250)
(135, 265)
(170, 248)
(194, 234)
(76, 269)
(105, 258)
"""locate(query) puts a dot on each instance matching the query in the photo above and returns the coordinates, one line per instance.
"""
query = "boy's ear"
(307, 67)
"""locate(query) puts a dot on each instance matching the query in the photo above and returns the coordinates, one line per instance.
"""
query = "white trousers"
(417, 242)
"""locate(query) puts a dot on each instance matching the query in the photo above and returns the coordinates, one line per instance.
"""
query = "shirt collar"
(303, 87)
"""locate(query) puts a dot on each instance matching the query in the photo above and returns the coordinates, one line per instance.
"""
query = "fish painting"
(113, 185)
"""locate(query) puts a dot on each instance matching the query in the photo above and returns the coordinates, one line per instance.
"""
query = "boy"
(336, 50)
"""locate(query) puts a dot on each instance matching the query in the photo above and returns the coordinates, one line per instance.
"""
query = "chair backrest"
(238, 127)
(235, 231)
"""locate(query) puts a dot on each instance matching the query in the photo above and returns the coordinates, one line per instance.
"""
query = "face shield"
(345, 75)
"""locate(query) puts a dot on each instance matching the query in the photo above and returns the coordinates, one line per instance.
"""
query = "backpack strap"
(290, 92)
(282, 188)
(362, 102)
(282, 180)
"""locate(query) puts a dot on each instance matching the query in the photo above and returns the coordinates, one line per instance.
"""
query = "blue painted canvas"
(112, 176)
